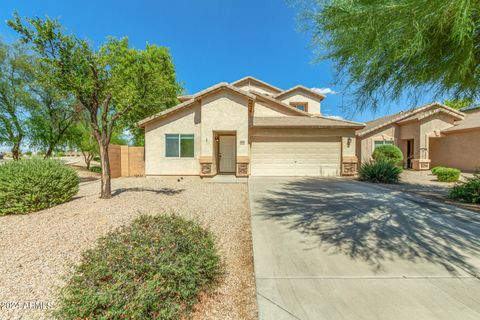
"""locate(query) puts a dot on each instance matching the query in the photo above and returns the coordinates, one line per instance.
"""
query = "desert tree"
(52, 118)
(110, 83)
(384, 49)
(15, 98)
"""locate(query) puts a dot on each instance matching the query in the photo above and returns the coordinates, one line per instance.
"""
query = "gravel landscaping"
(38, 249)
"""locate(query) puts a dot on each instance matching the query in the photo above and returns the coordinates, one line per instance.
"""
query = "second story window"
(300, 105)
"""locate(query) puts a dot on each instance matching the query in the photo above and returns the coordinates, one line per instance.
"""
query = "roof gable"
(192, 99)
(300, 88)
(281, 104)
(260, 83)
(471, 122)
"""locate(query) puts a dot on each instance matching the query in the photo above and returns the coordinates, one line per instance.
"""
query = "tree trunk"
(49, 152)
(106, 191)
(16, 152)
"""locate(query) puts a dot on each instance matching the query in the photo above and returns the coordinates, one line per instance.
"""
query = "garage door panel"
(293, 156)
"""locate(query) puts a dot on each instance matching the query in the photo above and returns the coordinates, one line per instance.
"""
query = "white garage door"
(296, 156)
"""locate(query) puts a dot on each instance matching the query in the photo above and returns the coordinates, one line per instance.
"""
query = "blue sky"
(211, 40)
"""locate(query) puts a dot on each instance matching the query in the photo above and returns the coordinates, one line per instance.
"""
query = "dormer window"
(300, 105)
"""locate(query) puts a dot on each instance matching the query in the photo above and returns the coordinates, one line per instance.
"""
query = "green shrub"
(468, 191)
(60, 154)
(96, 158)
(155, 268)
(447, 174)
(435, 169)
(35, 184)
(96, 169)
(380, 172)
(388, 152)
(28, 153)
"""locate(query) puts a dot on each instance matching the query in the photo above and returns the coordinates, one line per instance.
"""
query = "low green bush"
(35, 184)
(468, 191)
(96, 169)
(388, 152)
(435, 169)
(447, 174)
(380, 172)
(59, 154)
(155, 268)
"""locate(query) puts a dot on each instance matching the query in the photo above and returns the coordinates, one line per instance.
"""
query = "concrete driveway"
(341, 249)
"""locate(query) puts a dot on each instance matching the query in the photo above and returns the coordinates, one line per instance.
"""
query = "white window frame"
(179, 145)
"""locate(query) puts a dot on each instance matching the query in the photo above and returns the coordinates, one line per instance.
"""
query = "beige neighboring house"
(459, 146)
(249, 127)
(428, 136)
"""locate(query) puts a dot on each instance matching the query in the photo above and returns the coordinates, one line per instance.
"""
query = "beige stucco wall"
(458, 150)
(187, 121)
(300, 96)
(366, 143)
(269, 109)
(431, 126)
(419, 131)
(224, 111)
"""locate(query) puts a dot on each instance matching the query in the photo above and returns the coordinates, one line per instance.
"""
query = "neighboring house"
(459, 146)
(432, 135)
(249, 127)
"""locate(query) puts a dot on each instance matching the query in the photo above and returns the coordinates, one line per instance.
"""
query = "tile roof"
(193, 98)
(250, 78)
(303, 122)
(471, 121)
(302, 88)
(404, 116)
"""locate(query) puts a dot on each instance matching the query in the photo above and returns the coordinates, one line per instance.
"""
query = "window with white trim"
(179, 145)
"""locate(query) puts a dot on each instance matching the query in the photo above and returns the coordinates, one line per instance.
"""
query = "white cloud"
(335, 117)
(324, 91)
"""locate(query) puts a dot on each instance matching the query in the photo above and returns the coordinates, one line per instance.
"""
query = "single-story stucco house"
(428, 136)
(249, 127)
(459, 146)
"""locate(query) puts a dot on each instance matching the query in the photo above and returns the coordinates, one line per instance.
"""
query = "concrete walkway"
(341, 249)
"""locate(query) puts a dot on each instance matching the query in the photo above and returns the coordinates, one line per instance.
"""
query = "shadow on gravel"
(163, 191)
(375, 224)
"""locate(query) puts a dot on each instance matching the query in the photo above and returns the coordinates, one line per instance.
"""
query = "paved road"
(341, 249)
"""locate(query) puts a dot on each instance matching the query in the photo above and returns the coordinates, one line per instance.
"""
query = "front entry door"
(226, 154)
(410, 153)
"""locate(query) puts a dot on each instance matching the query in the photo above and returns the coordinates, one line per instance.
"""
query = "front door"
(226, 154)
(410, 153)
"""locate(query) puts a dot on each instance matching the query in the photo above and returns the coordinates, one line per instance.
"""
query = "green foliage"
(59, 154)
(35, 184)
(384, 48)
(435, 169)
(116, 84)
(96, 169)
(468, 191)
(458, 104)
(52, 119)
(388, 152)
(15, 99)
(380, 172)
(154, 268)
(447, 174)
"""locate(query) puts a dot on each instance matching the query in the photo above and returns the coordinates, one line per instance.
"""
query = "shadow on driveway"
(375, 224)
